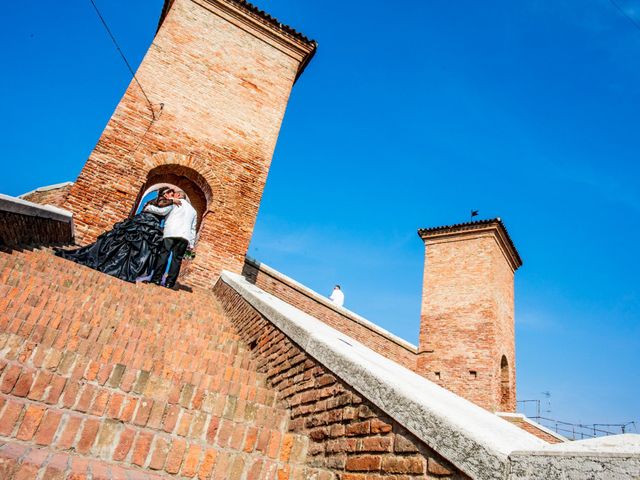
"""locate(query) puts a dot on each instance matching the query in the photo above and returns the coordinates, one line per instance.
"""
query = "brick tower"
(467, 339)
(217, 79)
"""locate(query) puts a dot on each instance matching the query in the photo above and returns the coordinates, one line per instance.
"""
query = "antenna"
(547, 395)
(534, 401)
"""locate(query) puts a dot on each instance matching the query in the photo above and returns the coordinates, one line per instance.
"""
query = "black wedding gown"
(128, 251)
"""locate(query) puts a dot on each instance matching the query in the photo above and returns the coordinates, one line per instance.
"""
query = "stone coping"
(616, 457)
(23, 207)
(475, 440)
(623, 444)
(345, 312)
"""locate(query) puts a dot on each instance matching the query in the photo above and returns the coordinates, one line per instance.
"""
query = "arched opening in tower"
(505, 384)
(195, 187)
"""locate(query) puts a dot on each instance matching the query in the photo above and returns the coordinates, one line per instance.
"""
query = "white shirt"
(337, 297)
(180, 222)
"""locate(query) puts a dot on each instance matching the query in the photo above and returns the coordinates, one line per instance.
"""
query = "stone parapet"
(616, 457)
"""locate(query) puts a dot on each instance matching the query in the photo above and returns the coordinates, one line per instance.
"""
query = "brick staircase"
(100, 378)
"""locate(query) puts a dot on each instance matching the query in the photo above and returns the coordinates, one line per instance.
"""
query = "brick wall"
(49, 196)
(23, 224)
(22, 230)
(307, 301)
(219, 79)
(350, 436)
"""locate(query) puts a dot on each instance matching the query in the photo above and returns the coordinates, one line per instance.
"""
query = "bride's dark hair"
(160, 201)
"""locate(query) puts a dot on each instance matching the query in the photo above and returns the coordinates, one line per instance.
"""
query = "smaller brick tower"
(467, 338)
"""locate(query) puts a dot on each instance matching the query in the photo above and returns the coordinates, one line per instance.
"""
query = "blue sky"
(406, 118)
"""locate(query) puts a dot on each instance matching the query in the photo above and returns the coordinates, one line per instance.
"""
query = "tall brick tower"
(217, 79)
(467, 338)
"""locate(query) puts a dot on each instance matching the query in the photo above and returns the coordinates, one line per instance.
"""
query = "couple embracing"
(140, 248)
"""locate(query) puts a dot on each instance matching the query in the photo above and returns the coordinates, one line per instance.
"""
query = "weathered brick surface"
(121, 380)
(467, 320)
(302, 299)
(219, 83)
(18, 230)
(30, 462)
(349, 435)
(54, 196)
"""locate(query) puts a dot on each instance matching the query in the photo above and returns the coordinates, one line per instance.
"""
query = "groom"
(179, 233)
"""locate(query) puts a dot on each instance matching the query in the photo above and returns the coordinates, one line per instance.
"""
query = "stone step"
(24, 315)
(22, 461)
(50, 361)
(227, 377)
(51, 364)
(163, 311)
(78, 278)
(90, 396)
(67, 281)
(227, 357)
(117, 344)
(112, 436)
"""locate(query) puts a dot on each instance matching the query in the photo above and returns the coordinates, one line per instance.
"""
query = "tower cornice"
(259, 24)
(494, 225)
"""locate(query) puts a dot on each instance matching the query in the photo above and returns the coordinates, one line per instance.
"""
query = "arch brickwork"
(190, 164)
(183, 171)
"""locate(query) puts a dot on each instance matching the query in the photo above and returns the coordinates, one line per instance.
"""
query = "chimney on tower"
(467, 338)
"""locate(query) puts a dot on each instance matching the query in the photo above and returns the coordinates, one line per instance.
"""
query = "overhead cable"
(115, 42)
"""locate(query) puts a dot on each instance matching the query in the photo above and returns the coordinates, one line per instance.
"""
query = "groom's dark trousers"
(177, 246)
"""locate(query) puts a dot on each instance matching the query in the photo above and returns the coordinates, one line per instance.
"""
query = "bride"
(129, 250)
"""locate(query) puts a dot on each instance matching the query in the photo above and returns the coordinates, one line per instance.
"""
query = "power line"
(113, 39)
(591, 430)
(622, 11)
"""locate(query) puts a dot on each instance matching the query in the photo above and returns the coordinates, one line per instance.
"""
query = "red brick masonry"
(467, 332)
(532, 427)
(104, 379)
(22, 230)
(54, 195)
